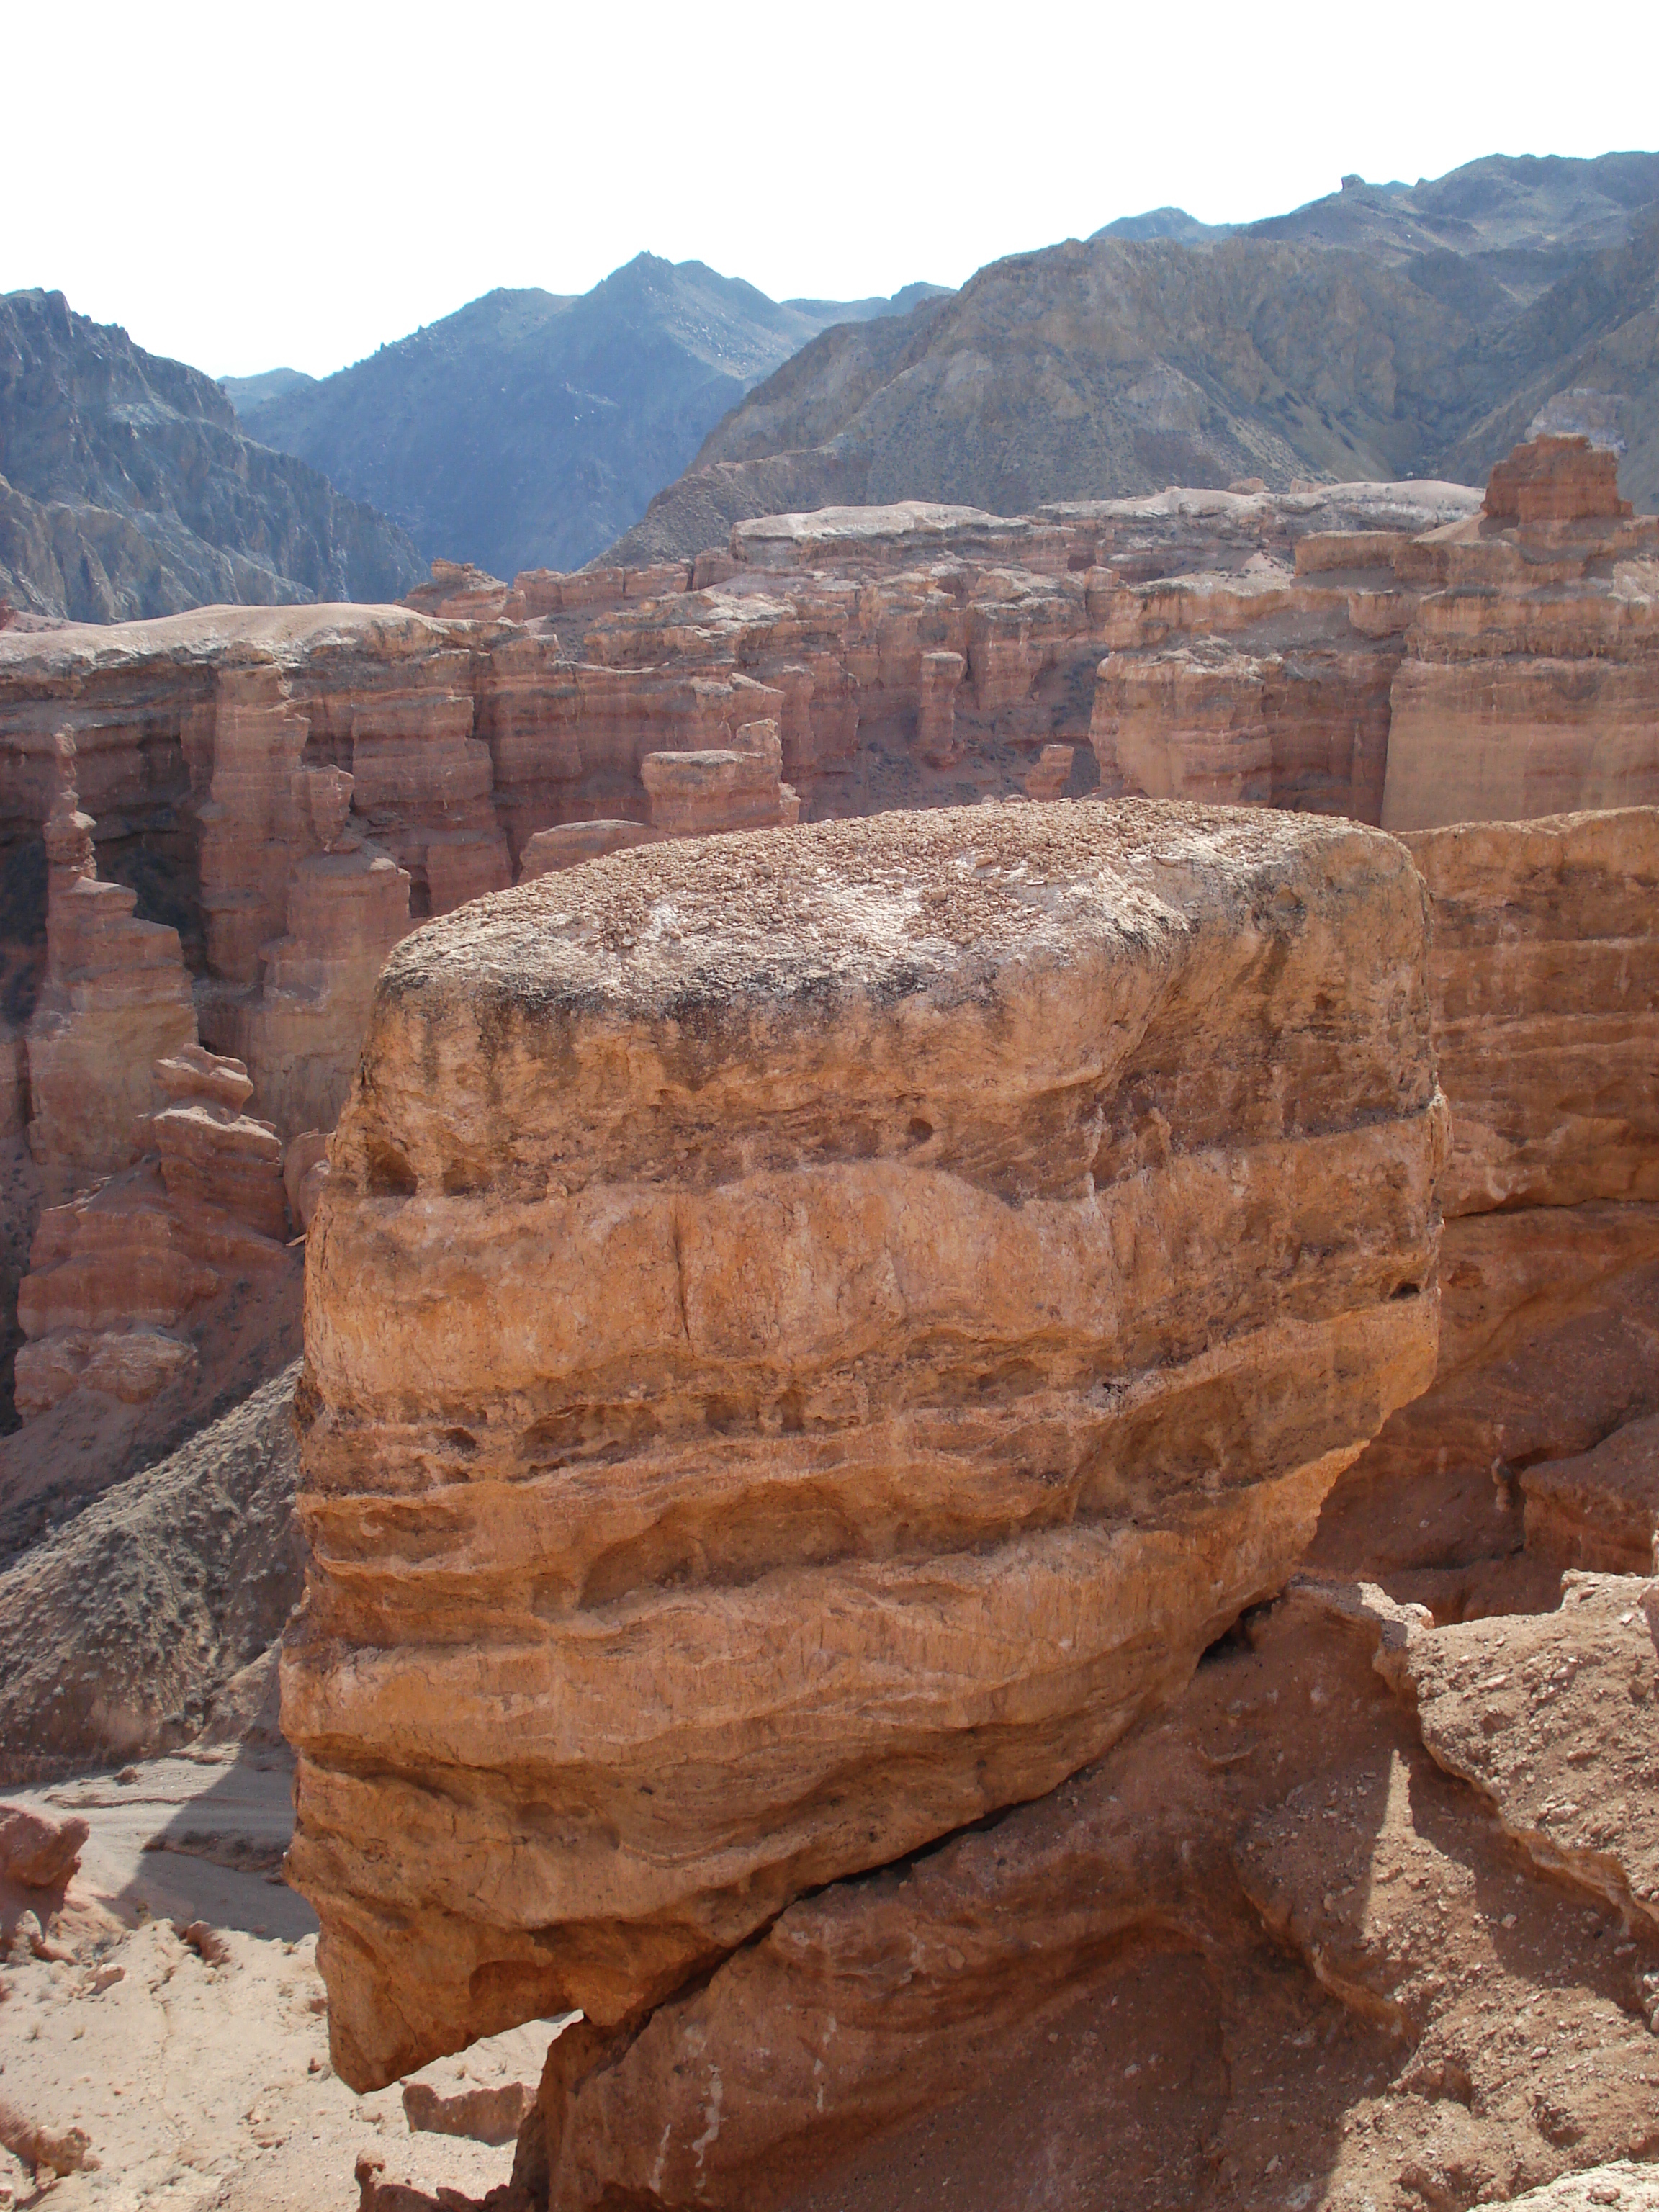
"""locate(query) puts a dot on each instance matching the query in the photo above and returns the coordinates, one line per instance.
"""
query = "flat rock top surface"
(231, 633)
(882, 906)
(904, 518)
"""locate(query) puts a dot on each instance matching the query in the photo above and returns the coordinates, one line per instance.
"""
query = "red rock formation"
(1545, 971)
(1048, 779)
(124, 1278)
(573, 842)
(116, 999)
(456, 591)
(742, 788)
(250, 823)
(347, 907)
(1301, 650)
(938, 677)
(305, 1170)
(212, 1154)
(1556, 480)
(38, 1853)
(747, 1222)
(1532, 676)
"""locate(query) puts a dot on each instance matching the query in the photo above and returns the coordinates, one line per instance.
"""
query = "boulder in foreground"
(809, 1335)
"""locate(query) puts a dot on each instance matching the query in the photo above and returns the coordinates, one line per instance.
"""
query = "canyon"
(975, 1437)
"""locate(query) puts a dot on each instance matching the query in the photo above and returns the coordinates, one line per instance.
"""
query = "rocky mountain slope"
(1384, 332)
(127, 490)
(527, 429)
(1517, 223)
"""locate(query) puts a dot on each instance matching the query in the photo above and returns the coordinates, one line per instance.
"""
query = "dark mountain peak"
(529, 427)
(1165, 222)
(165, 504)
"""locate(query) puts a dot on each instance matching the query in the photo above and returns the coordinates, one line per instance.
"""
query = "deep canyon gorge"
(831, 1356)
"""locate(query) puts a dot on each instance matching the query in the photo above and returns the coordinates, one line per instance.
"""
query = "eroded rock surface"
(784, 1378)
(1545, 976)
(1551, 1716)
(1220, 1962)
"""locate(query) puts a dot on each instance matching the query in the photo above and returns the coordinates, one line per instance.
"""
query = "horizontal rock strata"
(290, 790)
(809, 1335)
(1545, 976)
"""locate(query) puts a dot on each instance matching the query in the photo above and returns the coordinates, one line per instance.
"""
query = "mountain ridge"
(525, 430)
(127, 488)
(1347, 339)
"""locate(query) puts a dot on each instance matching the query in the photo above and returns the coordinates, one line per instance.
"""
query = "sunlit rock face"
(1545, 977)
(809, 1335)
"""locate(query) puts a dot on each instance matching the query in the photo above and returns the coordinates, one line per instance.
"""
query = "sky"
(293, 184)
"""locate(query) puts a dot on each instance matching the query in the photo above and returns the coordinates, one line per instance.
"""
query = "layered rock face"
(1498, 665)
(289, 789)
(1271, 1946)
(282, 793)
(1529, 685)
(116, 999)
(807, 1337)
(125, 1277)
(1544, 973)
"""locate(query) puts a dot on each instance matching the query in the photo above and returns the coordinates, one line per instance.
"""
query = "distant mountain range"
(127, 488)
(1386, 330)
(1523, 221)
(528, 429)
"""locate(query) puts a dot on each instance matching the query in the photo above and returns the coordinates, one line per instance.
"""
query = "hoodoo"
(808, 1336)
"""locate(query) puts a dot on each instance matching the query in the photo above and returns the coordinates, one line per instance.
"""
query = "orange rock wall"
(1545, 972)
(808, 1335)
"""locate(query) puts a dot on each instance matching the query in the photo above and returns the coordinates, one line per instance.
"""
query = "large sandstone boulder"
(808, 1336)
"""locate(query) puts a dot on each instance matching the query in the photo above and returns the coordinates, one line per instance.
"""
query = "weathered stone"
(116, 1000)
(1552, 1717)
(126, 1277)
(1600, 1508)
(1051, 773)
(1556, 480)
(1544, 970)
(38, 1853)
(843, 1227)
(346, 910)
(695, 792)
(1546, 984)
(211, 1154)
(305, 1170)
(572, 842)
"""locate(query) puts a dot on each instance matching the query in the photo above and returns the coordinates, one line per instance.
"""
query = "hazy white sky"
(294, 182)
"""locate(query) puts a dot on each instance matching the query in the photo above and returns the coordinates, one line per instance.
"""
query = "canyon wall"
(242, 811)
(1544, 977)
(807, 1337)
(1499, 666)
(288, 790)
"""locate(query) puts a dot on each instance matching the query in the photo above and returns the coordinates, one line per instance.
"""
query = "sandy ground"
(200, 2084)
